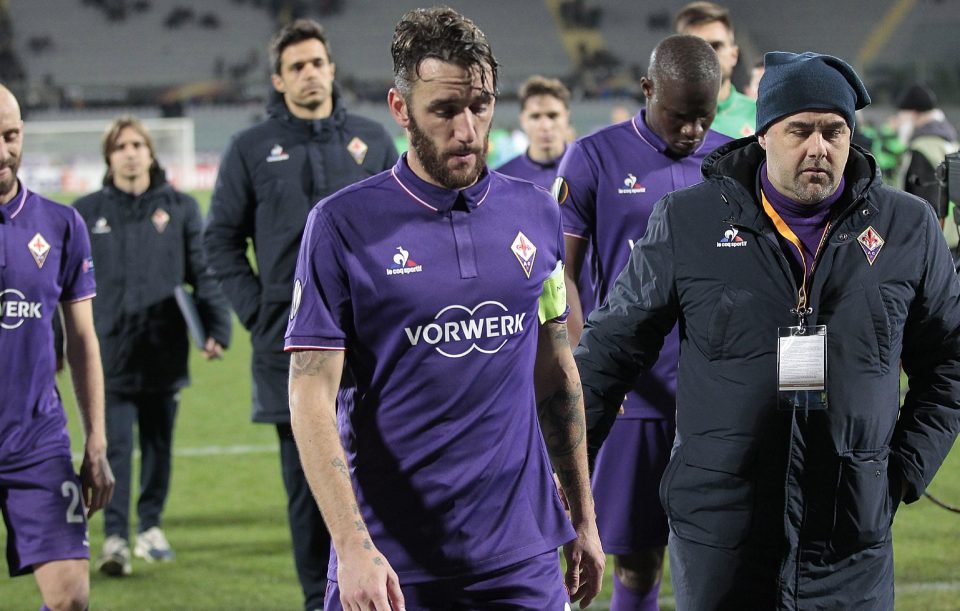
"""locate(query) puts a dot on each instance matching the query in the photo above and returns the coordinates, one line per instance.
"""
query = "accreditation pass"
(802, 358)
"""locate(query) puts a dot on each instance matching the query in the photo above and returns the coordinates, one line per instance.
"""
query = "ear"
(398, 108)
(736, 54)
(762, 139)
(333, 70)
(277, 83)
(646, 86)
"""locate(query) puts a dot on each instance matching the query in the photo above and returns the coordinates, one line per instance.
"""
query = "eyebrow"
(484, 96)
(814, 124)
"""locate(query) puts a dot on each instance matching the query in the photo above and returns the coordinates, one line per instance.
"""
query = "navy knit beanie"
(917, 97)
(794, 83)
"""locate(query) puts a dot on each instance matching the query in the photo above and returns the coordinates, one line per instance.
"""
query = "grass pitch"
(226, 516)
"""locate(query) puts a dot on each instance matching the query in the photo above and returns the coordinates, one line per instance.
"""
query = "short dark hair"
(541, 85)
(293, 33)
(701, 13)
(685, 59)
(439, 33)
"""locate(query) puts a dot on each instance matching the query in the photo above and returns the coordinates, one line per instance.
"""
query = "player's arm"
(561, 416)
(576, 249)
(230, 223)
(364, 575)
(86, 370)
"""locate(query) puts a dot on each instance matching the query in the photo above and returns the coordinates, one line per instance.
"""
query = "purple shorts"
(43, 509)
(626, 485)
(532, 584)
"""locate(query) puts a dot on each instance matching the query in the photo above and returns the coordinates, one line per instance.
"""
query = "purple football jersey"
(613, 179)
(522, 166)
(434, 294)
(44, 259)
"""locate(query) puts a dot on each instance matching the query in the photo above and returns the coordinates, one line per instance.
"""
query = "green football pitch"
(226, 516)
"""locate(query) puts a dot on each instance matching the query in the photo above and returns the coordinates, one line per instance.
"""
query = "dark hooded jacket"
(929, 145)
(793, 508)
(270, 177)
(144, 247)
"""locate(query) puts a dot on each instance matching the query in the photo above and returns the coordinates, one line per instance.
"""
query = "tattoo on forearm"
(560, 333)
(367, 544)
(378, 561)
(562, 421)
(340, 466)
(308, 363)
(356, 509)
(567, 477)
(359, 525)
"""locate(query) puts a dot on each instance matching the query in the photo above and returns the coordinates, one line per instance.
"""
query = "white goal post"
(65, 157)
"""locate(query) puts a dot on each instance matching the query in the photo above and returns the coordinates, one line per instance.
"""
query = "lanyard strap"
(788, 234)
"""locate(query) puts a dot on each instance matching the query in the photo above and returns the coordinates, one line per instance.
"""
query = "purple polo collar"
(436, 198)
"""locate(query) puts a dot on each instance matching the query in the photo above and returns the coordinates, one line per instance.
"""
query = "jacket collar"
(736, 165)
(324, 128)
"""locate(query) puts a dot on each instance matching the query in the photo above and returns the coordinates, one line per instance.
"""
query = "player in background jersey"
(545, 119)
(736, 112)
(609, 183)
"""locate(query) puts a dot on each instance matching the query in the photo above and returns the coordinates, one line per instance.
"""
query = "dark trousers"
(154, 415)
(311, 541)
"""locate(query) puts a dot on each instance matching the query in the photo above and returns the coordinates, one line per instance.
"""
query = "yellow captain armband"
(553, 299)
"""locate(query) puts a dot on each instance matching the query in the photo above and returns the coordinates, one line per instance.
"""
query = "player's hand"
(367, 581)
(585, 563)
(212, 350)
(96, 478)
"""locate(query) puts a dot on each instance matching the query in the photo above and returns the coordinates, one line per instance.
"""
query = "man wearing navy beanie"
(802, 283)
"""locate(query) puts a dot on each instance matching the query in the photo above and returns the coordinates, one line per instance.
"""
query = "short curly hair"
(440, 33)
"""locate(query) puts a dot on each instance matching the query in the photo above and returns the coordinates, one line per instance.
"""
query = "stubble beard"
(8, 185)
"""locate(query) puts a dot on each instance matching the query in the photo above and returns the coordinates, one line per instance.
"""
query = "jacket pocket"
(707, 491)
(864, 509)
(881, 325)
(719, 321)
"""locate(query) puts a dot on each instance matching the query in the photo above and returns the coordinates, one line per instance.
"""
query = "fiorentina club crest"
(525, 251)
(39, 248)
(160, 219)
(358, 150)
(871, 243)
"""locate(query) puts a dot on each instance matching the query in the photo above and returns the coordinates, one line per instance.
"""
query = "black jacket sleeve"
(211, 304)
(921, 180)
(930, 416)
(625, 336)
(230, 223)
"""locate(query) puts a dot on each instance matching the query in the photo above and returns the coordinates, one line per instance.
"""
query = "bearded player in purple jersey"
(431, 296)
(610, 181)
(45, 261)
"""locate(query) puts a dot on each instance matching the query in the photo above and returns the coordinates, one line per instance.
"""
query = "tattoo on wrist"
(377, 560)
(367, 545)
(308, 363)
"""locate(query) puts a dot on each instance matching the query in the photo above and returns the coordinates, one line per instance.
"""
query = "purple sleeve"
(578, 191)
(320, 312)
(77, 278)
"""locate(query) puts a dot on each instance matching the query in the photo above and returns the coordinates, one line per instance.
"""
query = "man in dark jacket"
(931, 139)
(145, 240)
(800, 283)
(270, 177)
